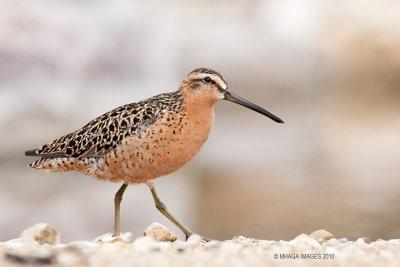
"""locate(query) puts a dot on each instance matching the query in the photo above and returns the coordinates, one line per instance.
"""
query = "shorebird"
(139, 142)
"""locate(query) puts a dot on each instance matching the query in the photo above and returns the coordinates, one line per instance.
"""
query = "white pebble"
(159, 232)
(42, 233)
(194, 239)
(321, 235)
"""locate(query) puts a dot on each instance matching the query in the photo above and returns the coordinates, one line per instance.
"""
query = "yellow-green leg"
(163, 209)
(117, 205)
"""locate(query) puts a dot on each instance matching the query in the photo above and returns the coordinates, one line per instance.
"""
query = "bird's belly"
(159, 151)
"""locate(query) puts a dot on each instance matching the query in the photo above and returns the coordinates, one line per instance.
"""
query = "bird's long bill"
(231, 96)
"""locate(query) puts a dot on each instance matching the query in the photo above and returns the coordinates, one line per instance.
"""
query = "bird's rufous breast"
(161, 148)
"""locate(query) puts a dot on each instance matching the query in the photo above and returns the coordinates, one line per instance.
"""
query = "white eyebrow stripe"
(215, 78)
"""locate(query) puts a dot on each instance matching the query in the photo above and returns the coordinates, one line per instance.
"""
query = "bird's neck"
(200, 114)
(199, 108)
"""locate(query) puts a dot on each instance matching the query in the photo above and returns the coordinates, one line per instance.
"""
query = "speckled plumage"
(107, 131)
(136, 142)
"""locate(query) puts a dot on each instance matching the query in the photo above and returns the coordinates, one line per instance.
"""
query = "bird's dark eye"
(207, 79)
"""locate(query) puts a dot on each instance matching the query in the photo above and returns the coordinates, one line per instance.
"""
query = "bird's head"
(208, 86)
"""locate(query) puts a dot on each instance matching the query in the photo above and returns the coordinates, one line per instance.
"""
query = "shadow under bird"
(138, 142)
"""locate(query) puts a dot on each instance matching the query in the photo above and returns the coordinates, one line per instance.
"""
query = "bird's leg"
(163, 209)
(117, 204)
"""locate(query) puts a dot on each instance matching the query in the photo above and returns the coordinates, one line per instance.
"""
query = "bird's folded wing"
(96, 138)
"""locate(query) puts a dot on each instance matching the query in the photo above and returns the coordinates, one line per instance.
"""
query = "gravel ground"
(39, 245)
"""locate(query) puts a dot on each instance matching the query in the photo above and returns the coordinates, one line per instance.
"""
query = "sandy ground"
(39, 245)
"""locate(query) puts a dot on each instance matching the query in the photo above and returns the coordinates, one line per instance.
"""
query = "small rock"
(159, 232)
(360, 243)
(22, 242)
(42, 233)
(28, 251)
(193, 240)
(363, 240)
(366, 240)
(304, 239)
(321, 235)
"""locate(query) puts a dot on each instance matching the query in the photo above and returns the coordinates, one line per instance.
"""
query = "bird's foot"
(198, 237)
(110, 238)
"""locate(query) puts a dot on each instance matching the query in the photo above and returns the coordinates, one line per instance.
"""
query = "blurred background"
(330, 69)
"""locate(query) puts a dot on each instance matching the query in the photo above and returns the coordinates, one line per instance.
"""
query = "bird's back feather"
(107, 131)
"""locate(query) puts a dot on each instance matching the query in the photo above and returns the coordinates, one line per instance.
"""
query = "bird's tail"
(32, 152)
